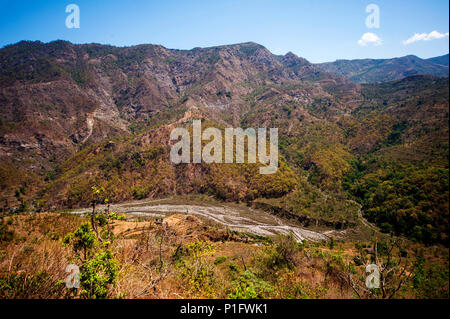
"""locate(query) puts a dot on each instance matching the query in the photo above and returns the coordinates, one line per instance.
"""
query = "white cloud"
(370, 38)
(433, 35)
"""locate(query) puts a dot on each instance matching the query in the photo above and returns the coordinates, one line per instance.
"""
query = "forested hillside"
(73, 116)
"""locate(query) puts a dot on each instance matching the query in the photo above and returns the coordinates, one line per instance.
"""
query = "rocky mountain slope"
(384, 70)
(67, 95)
(443, 59)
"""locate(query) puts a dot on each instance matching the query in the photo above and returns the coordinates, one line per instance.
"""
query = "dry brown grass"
(145, 252)
(36, 250)
(154, 262)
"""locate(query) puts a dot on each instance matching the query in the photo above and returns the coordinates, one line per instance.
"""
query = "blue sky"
(319, 30)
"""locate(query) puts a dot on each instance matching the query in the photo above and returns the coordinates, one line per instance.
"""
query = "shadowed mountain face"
(442, 60)
(384, 70)
(73, 116)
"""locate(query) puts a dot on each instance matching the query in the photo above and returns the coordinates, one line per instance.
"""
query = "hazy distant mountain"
(443, 59)
(384, 70)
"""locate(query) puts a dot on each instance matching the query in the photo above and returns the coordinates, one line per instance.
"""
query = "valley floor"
(204, 251)
(235, 217)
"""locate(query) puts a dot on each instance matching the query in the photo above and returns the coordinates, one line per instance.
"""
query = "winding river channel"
(242, 219)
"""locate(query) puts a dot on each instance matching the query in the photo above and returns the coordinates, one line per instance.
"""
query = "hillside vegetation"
(74, 116)
(384, 70)
(185, 257)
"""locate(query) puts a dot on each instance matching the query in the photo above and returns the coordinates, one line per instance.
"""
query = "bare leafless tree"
(394, 269)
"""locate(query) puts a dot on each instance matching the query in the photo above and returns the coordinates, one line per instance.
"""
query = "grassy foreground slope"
(186, 257)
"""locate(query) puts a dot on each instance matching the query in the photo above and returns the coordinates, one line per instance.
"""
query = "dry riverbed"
(244, 219)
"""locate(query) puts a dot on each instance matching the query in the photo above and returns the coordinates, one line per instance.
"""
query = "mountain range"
(384, 70)
(73, 116)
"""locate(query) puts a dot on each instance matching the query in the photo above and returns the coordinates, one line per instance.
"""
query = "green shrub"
(220, 260)
(5, 234)
(248, 286)
(97, 274)
(24, 286)
(197, 269)
(282, 255)
(82, 240)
